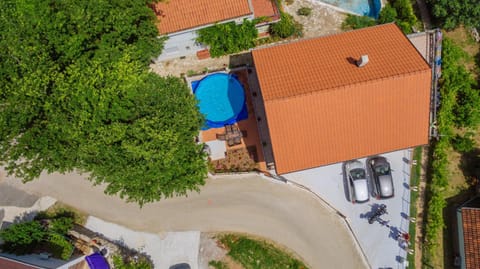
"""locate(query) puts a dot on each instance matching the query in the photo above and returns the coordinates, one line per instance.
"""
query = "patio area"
(236, 147)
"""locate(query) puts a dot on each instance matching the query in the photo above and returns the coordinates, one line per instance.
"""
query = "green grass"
(218, 264)
(256, 254)
(414, 181)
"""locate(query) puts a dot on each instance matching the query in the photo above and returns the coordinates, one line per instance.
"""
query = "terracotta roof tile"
(177, 15)
(324, 63)
(471, 237)
(264, 8)
(321, 109)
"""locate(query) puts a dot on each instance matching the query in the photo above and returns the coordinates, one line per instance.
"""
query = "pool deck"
(248, 126)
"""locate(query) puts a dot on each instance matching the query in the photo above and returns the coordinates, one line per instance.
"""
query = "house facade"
(343, 97)
(179, 20)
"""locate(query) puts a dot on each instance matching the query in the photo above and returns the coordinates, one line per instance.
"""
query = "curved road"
(249, 204)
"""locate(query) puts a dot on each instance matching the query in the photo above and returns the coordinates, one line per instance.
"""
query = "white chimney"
(363, 61)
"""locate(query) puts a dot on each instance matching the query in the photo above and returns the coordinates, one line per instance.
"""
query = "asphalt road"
(249, 204)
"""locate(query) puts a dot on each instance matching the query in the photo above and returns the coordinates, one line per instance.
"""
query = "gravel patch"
(209, 250)
(322, 21)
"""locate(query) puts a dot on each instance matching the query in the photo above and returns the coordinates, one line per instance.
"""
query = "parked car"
(382, 183)
(357, 182)
(180, 266)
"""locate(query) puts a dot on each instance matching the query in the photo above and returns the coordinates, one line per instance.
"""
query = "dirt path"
(252, 205)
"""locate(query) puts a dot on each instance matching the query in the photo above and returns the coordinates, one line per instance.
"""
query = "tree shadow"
(25, 217)
(470, 166)
(239, 60)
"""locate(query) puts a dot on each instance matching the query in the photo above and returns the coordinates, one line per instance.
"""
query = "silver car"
(357, 182)
(382, 183)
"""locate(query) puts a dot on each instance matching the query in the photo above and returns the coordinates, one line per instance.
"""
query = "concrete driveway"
(250, 204)
(376, 240)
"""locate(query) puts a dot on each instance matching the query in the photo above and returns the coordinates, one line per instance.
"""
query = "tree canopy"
(76, 94)
(454, 13)
(228, 38)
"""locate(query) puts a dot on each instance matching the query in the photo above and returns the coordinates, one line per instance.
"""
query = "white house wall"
(181, 44)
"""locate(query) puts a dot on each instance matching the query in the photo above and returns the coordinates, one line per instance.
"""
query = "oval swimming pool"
(221, 98)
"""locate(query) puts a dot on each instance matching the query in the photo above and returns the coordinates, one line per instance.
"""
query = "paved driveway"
(286, 215)
(377, 241)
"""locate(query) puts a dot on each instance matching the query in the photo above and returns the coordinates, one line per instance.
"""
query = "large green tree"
(453, 13)
(76, 94)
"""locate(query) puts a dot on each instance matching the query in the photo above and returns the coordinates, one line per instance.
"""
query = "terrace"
(231, 133)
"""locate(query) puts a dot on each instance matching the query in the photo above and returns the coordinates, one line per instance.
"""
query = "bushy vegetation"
(399, 11)
(454, 79)
(46, 231)
(76, 94)
(464, 143)
(451, 14)
(254, 254)
(228, 38)
(304, 11)
(286, 27)
(353, 22)
(23, 237)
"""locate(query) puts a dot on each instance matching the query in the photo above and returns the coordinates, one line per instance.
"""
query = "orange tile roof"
(471, 237)
(324, 63)
(178, 15)
(264, 8)
(322, 109)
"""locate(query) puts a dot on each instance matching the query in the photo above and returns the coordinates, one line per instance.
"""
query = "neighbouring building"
(468, 227)
(179, 20)
(341, 97)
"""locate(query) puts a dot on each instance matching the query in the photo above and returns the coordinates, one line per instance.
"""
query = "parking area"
(378, 240)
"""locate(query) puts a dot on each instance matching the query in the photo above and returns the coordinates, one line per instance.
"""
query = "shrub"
(21, 238)
(288, 2)
(356, 22)
(228, 38)
(304, 11)
(59, 246)
(286, 27)
(465, 143)
(61, 225)
(387, 14)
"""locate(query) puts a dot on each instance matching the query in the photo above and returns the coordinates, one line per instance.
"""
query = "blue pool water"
(369, 8)
(221, 99)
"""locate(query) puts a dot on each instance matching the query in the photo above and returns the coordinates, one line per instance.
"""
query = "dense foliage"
(398, 11)
(387, 14)
(228, 38)
(353, 22)
(23, 237)
(47, 231)
(454, 13)
(286, 27)
(454, 82)
(75, 94)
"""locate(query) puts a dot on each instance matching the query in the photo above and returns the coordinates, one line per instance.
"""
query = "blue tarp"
(97, 261)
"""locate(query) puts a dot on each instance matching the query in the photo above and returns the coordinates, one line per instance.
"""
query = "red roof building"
(321, 108)
(468, 219)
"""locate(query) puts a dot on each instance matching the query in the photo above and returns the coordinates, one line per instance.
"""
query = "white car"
(357, 182)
